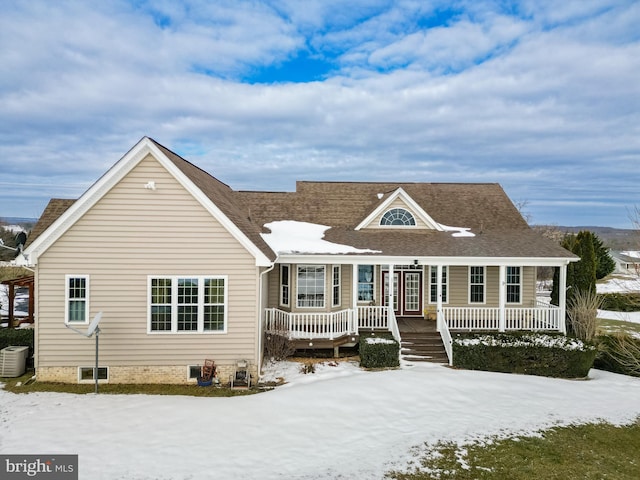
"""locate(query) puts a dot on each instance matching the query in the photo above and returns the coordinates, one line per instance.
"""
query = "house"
(627, 262)
(184, 268)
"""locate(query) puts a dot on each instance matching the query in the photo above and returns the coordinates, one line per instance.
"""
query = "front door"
(407, 292)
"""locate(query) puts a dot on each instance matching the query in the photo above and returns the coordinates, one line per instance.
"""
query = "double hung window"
(335, 287)
(514, 285)
(77, 299)
(285, 281)
(476, 284)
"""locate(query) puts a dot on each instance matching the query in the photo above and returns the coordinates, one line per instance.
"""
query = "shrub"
(17, 337)
(621, 302)
(549, 355)
(278, 346)
(582, 311)
(619, 353)
(379, 352)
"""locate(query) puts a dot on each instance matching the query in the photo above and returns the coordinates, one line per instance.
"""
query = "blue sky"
(540, 96)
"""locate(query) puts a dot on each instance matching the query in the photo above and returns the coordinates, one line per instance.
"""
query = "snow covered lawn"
(340, 422)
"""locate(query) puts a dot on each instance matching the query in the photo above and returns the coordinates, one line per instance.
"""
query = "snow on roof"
(290, 236)
(458, 231)
(631, 253)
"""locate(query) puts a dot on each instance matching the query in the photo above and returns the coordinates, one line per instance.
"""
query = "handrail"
(393, 325)
(445, 334)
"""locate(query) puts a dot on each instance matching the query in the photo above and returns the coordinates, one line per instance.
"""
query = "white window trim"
(445, 284)
(189, 377)
(484, 285)
(415, 222)
(372, 282)
(334, 285)
(174, 305)
(324, 286)
(86, 299)
(506, 284)
(281, 303)
(91, 380)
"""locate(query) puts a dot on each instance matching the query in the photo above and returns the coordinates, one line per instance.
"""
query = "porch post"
(390, 292)
(502, 298)
(562, 299)
(439, 317)
(354, 297)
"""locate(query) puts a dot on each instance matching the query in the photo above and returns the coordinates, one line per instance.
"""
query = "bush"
(379, 352)
(17, 337)
(548, 355)
(582, 310)
(621, 302)
(618, 353)
(278, 346)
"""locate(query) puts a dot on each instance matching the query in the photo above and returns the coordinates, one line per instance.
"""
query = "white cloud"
(537, 99)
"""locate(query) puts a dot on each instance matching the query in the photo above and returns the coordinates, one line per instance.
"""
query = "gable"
(395, 208)
(174, 166)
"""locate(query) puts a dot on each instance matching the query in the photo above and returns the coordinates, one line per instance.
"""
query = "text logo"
(50, 467)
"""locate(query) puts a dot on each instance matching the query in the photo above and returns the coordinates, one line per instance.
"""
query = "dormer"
(398, 211)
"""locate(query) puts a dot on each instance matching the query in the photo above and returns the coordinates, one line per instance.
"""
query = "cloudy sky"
(541, 96)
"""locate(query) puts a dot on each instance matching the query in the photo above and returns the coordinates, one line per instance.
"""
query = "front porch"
(330, 330)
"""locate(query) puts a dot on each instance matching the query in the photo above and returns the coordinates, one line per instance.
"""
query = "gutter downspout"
(260, 311)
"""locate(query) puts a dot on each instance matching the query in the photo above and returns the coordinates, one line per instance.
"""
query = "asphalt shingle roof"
(500, 230)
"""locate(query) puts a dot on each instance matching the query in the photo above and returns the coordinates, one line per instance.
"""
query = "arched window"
(397, 216)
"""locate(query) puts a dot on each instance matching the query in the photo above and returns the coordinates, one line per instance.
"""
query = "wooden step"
(423, 347)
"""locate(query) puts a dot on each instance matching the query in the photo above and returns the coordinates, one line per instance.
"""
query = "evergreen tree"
(604, 263)
(585, 269)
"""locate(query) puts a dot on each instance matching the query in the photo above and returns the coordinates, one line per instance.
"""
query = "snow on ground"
(619, 284)
(340, 422)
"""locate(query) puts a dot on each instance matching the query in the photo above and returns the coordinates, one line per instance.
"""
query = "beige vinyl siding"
(397, 203)
(131, 233)
(459, 286)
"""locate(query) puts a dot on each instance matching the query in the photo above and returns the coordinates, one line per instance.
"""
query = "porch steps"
(423, 347)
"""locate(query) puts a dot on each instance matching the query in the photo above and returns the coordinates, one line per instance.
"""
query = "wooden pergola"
(20, 282)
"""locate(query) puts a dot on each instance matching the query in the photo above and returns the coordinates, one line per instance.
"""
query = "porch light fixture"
(311, 344)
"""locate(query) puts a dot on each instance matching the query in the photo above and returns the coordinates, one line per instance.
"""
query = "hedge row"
(526, 353)
(621, 302)
(379, 351)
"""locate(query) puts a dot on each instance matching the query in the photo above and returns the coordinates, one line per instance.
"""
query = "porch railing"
(445, 334)
(311, 325)
(542, 317)
(373, 317)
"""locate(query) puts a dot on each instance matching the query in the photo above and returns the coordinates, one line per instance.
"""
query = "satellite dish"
(93, 328)
(94, 324)
(21, 238)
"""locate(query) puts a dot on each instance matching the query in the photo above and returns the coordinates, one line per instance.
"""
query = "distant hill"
(614, 238)
(17, 220)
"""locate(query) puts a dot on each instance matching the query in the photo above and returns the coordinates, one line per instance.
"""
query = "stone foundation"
(175, 374)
